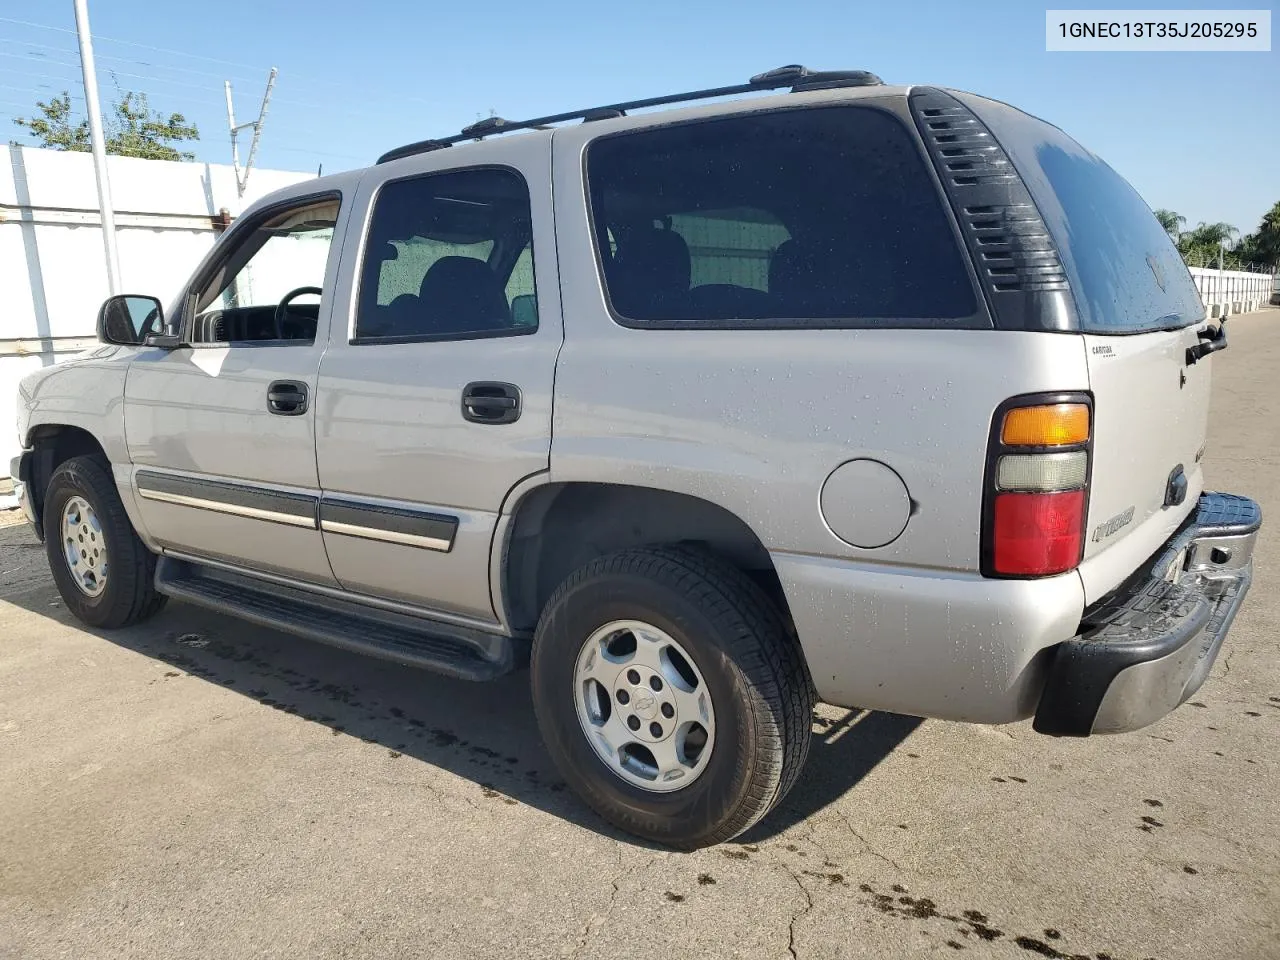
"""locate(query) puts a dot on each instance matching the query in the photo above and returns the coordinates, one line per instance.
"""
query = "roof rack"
(796, 77)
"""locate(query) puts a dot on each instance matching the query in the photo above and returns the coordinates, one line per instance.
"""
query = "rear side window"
(449, 256)
(1126, 275)
(811, 217)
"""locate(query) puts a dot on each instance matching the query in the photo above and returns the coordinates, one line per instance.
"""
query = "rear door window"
(1126, 275)
(803, 217)
(448, 256)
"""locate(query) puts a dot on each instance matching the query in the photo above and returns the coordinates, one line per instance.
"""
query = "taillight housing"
(1036, 500)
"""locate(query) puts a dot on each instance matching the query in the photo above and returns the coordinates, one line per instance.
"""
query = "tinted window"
(820, 215)
(1125, 273)
(447, 256)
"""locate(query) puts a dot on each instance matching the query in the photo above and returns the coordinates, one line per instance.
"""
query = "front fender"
(86, 392)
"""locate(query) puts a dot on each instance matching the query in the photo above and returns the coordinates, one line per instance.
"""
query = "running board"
(442, 647)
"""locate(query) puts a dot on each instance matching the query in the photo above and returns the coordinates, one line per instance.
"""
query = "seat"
(649, 277)
(727, 301)
(791, 268)
(458, 295)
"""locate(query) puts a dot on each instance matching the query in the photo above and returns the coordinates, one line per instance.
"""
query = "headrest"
(464, 293)
(658, 258)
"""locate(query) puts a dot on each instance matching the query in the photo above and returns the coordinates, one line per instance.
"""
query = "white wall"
(1225, 292)
(53, 273)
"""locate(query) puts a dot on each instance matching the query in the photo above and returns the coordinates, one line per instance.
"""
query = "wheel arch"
(52, 444)
(555, 528)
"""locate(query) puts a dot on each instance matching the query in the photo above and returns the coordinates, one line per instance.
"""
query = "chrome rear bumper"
(1152, 646)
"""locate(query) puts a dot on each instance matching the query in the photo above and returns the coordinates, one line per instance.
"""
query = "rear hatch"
(1140, 312)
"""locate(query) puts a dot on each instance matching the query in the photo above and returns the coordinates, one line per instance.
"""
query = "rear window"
(1125, 273)
(815, 217)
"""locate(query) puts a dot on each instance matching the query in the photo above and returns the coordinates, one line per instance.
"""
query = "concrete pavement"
(199, 787)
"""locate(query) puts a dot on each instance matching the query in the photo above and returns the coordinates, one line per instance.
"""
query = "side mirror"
(524, 310)
(129, 320)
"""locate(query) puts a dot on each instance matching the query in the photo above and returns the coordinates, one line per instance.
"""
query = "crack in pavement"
(598, 920)
(865, 842)
(799, 914)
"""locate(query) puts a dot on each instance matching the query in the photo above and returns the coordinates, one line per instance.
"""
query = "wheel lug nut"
(624, 697)
(633, 722)
(668, 711)
(656, 683)
(655, 729)
(633, 676)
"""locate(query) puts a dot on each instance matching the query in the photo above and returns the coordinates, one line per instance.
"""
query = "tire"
(127, 594)
(759, 687)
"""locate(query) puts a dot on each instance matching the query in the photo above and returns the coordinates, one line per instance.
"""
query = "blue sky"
(1196, 132)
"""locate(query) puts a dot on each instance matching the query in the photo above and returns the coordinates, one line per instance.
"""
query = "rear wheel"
(104, 573)
(670, 695)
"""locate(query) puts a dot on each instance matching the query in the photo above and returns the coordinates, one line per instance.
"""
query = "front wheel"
(103, 571)
(670, 695)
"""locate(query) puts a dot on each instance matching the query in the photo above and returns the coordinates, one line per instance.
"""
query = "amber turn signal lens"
(1051, 425)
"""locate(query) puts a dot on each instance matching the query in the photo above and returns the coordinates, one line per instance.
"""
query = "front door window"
(270, 286)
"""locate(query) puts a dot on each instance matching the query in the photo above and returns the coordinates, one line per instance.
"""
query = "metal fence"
(1228, 261)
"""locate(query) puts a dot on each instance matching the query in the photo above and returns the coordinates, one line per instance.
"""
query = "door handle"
(487, 401)
(287, 398)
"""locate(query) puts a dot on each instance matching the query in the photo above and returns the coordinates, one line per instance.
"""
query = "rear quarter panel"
(756, 420)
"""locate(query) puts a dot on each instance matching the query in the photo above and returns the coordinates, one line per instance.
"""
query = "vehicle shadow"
(484, 733)
(843, 752)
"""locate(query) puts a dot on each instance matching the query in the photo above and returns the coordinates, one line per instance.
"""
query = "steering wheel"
(282, 308)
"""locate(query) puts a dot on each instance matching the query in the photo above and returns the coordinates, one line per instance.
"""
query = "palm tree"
(1206, 243)
(1215, 234)
(1171, 221)
(1263, 246)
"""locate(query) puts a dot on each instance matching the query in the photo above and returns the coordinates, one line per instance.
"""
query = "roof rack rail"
(796, 77)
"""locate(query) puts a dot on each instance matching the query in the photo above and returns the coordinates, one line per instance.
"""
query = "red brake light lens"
(1037, 534)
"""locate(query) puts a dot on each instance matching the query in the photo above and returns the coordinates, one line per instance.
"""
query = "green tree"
(54, 127)
(1263, 245)
(1172, 222)
(132, 129)
(1202, 245)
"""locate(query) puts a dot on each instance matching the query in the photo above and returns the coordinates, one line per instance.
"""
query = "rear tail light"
(1037, 477)
(1045, 425)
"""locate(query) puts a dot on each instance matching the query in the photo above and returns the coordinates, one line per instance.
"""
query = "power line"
(44, 76)
(186, 98)
(323, 81)
(6, 86)
(326, 107)
(287, 148)
(132, 43)
(28, 57)
(130, 60)
(42, 46)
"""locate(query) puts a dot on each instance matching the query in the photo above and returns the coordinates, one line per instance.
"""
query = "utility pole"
(99, 146)
(243, 181)
(235, 150)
